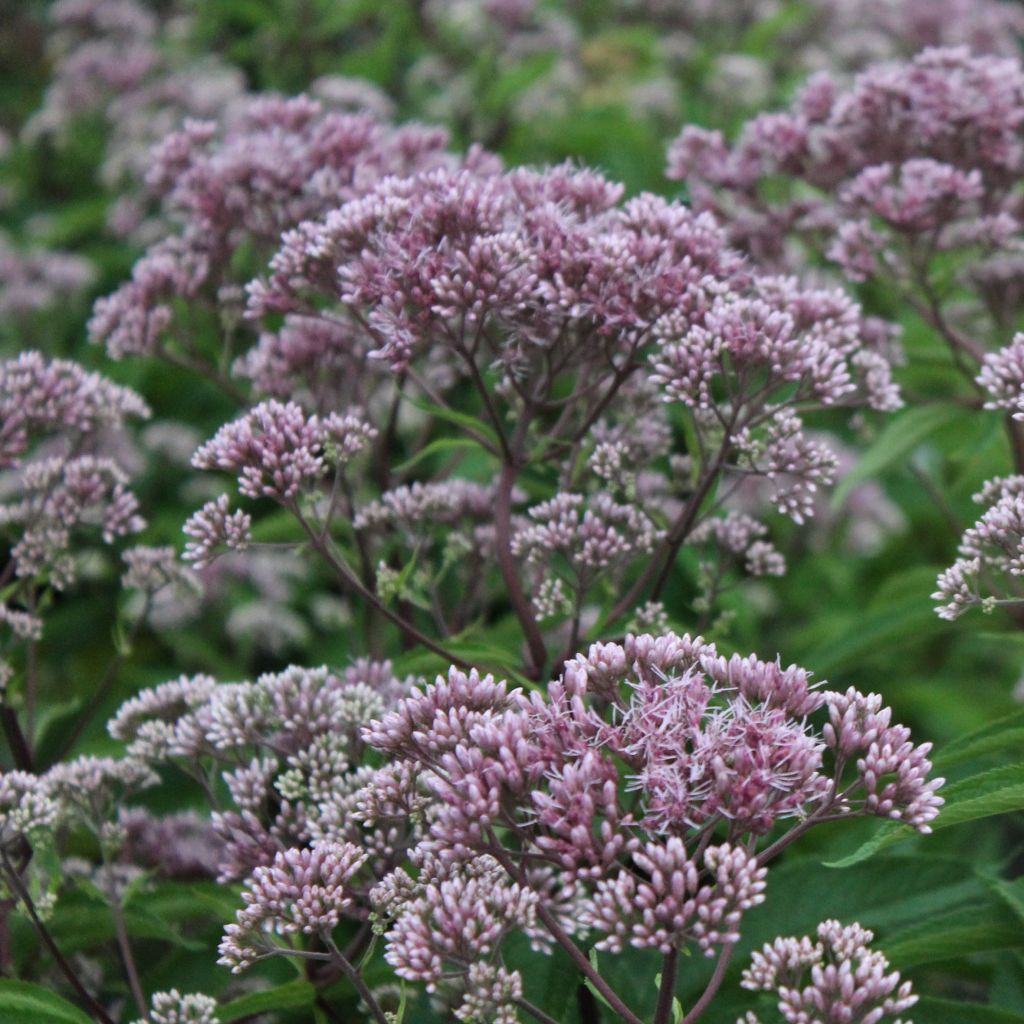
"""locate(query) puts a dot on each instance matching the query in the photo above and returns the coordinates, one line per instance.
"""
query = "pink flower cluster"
(287, 745)
(837, 979)
(27, 808)
(517, 259)
(40, 396)
(784, 333)
(122, 63)
(101, 47)
(300, 891)
(451, 915)
(39, 279)
(276, 449)
(992, 550)
(57, 497)
(991, 554)
(742, 537)
(572, 315)
(1002, 376)
(639, 785)
(56, 419)
(174, 1007)
(910, 175)
(589, 535)
(913, 160)
(587, 63)
(236, 186)
(683, 900)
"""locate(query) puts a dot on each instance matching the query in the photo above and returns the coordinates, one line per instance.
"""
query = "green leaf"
(1005, 734)
(441, 446)
(1011, 894)
(24, 1003)
(999, 791)
(485, 652)
(974, 929)
(874, 631)
(900, 436)
(761, 38)
(290, 996)
(945, 1011)
(890, 895)
(89, 924)
(475, 426)
(507, 85)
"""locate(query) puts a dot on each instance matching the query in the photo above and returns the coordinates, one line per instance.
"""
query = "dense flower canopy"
(383, 554)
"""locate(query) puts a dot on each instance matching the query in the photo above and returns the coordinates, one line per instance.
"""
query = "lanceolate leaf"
(23, 1003)
(1004, 735)
(998, 791)
(1011, 894)
(945, 937)
(947, 1011)
(291, 996)
(901, 435)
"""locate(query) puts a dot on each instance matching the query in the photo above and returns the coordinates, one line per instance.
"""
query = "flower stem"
(357, 981)
(18, 887)
(509, 572)
(667, 991)
(713, 986)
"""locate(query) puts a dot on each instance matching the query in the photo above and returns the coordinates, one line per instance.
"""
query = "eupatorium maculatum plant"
(467, 479)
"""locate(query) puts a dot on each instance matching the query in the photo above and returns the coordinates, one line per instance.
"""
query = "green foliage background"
(948, 909)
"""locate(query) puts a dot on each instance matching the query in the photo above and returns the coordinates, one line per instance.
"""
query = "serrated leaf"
(999, 791)
(24, 1003)
(877, 630)
(291, 996)
(900, 436)
(893, 893)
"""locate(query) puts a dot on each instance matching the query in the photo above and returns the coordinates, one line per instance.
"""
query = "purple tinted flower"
(677, 905)
(991, 553)
(452, 915)
(838, 980)
(39, 279)
(300, 891)
(174, 1008)
(213, 528)
(39, 396)
(892, 772)
(276, 449)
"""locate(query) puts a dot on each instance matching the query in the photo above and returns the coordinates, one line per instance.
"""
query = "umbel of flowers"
(483, 396)
(909, 176)
(637, 803)
(912, 160)
(65, 493)
(992, 550)
(912, 174)
(617, 355)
